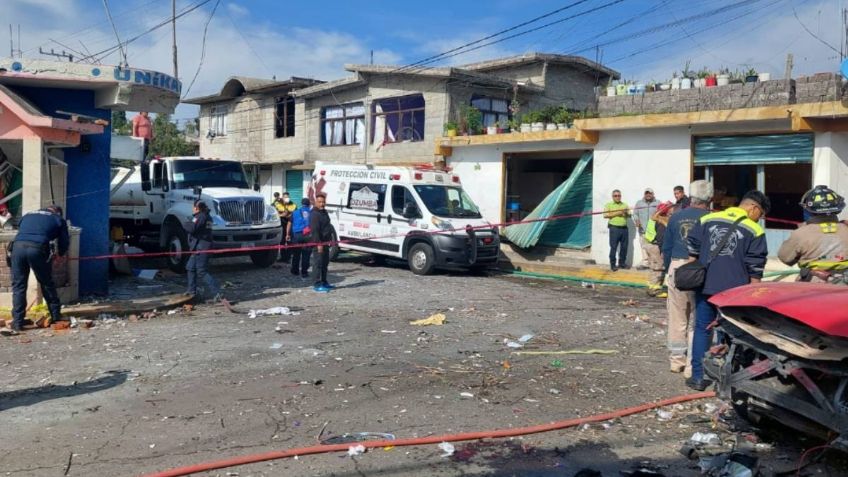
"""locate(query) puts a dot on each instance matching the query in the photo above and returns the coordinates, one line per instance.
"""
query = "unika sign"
(150, 78)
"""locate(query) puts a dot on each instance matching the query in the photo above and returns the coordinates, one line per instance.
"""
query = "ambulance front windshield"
(448, 202)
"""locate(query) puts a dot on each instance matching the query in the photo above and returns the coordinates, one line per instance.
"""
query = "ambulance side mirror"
(410, 211)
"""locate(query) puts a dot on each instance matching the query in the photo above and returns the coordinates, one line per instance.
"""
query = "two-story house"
(379, 114)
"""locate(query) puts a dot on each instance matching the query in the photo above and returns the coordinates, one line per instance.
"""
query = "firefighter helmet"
(822, 200)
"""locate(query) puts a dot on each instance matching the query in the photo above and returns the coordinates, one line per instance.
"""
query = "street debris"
(349, 438)
(277, 310)
(664, 415)
(520, 343)
(447, 449)
(356, 450)
(707, 438)
(276, 346)
(587, 284)
(568, 351)
(438, 319)
(466, 395)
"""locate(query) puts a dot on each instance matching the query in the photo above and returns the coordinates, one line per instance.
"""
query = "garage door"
(760, 149)
(294, 185)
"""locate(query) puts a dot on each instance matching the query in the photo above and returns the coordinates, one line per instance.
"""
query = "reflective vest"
(651, 231)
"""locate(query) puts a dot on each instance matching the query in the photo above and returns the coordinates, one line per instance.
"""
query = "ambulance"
(418, 214)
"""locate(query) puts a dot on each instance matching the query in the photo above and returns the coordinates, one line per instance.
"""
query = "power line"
(813, 34)
(115, 29)
(203, 48)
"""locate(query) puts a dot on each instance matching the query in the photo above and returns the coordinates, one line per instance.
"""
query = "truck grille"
(242, 211)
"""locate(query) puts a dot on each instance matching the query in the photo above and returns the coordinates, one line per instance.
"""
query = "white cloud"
(237, 10)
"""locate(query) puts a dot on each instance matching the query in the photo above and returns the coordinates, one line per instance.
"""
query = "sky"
(645, 40)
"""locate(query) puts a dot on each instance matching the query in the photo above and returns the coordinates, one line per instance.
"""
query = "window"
(366, 196)
(218, 120)
(401, 196)
(494, 110)
(399, 119)
(284, 117)
(156, 180)
(343, 125)
(449, 202)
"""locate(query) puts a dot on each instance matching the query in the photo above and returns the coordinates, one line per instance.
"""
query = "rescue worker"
(31, 250)
(617, 212)
(642, 213)
(200, 239)
(322, 233)
(285, 208)
(654, 234)
(821, 244)
(681, 303)
(732, 247)
(300, 234)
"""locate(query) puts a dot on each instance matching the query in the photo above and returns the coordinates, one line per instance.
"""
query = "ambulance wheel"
(334, 250)
(263, 258)
(422, 260)
(175, 245)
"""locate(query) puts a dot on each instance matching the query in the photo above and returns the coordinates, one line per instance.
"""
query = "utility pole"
(11, 43)
(174, 35)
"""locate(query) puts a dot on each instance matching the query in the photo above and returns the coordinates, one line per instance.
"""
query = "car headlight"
(271, 214)
(441, 224)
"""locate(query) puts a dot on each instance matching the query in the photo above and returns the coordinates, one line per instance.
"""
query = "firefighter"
(820, 245)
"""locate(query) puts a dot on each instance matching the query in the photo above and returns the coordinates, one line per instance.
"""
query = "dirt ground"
(132, 397)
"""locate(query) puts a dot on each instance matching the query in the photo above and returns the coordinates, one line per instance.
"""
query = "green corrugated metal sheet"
(294, 185)
(572, 196)
(762, 149)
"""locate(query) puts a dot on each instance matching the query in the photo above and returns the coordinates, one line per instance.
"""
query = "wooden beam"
(570, 134)
(807, 124)
(587, 137)
(827, 109)
(685, 119)
(444, 151)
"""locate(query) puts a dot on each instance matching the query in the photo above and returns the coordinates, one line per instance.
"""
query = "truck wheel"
(334, 250)
(264, 258)
(422, 260)
(176, 244)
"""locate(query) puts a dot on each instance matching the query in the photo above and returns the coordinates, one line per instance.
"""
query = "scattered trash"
(664, 415)
(553, 391)
(525, 338)
(707, 438)
(587, 284)
(438, 319)
(466, 395)
(145, 274)
(630, 302)
(172, 312)
(277, 310)
(61, 325)
(447, 449)
(740, 465)
(354, 451)
(569, 351)
(358, 437)
(388, 332)
(276, 346)
(513, 344)
(556, 363)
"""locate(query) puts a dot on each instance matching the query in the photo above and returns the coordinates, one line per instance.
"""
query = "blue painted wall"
(88, 181)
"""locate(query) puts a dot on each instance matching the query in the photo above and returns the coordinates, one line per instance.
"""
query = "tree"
(120, 125)
(167, 139)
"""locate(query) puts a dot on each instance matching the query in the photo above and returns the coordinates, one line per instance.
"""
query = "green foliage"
(168, 140)
(120, 125)
(751, 72)
(472, 119)
(450, 125)
(562, 116)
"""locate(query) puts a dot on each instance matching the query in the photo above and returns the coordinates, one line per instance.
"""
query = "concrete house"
(384, 114)
(780, 136)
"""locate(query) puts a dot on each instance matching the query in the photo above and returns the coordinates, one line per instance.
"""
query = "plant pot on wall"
(765, 76)
(675, 83)
(685, 83)
(451, 132)
(722, 80)
(752, 78)
(525, 127)
(562, 126)
(711, 81)
(610, 90)
(665, 86)
(536, 127)
(621, 90)
(491, 129)
(550, 127)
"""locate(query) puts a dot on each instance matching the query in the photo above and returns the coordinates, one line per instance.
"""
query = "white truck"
(151, 200)
(418, 214)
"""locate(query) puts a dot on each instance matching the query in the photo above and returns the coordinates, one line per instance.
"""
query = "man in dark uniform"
(200, 239)
(322, 232)
(31, 251)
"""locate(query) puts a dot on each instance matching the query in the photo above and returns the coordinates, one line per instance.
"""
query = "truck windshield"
(449, 202)
(190, 173)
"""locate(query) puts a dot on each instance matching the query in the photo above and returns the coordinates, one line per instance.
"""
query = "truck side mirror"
(256, 187)
(410, 211)
(166, 186)
(145, 175)
(198, 191)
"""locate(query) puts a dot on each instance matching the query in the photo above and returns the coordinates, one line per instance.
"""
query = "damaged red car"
(784, 356)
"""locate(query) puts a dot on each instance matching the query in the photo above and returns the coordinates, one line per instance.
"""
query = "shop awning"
(572, 197)
(759, 149)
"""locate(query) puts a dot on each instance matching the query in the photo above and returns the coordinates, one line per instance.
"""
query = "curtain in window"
(333, 130)
(354, 129)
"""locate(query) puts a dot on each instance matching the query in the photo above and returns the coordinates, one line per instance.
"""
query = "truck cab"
(418, 214)
(154, 199)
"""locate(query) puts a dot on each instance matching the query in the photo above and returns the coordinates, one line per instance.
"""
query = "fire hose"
(417, 441)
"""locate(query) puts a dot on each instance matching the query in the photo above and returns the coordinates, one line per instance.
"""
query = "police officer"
(200, 239)
(821, 243)
(31, 250)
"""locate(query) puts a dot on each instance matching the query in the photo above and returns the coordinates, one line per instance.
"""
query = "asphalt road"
(129, 397)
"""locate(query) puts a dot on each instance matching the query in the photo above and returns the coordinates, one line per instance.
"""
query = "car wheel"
(263, 258)
(176, 245)
(421, 259)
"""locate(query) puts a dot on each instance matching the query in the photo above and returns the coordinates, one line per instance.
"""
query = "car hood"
(230, 193)
(821, 306)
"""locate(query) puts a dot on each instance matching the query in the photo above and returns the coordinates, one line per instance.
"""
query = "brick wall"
(813, 89)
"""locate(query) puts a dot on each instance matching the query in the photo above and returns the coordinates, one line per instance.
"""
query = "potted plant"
(471, 120)
(751, 76)
(686, 76)
(562, 118)
(537, 123)
(451, 129)
(610, 87)
(765, 76)
(621, 88)
(723, 77)
(525, 125)
(493, 129)
(675, 81)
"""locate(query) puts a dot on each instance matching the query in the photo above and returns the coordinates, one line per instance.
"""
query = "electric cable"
(202, 48)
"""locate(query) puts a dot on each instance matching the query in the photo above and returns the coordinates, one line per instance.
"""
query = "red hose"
(465, 436)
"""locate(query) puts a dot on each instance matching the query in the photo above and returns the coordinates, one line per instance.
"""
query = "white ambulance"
(418, 214)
